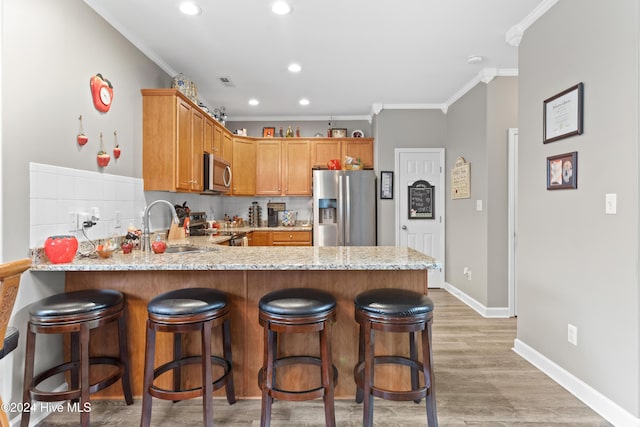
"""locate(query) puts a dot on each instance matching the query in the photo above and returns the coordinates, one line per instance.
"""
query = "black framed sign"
(562, 115)
(421, 200)
(386, 185)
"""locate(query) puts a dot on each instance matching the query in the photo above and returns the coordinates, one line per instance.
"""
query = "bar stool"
(292, 311)
(10, 274)
(394, 310)
(177, 312)
(76, 313)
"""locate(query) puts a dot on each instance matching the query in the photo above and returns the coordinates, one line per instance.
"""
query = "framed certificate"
(563, 114)
(386, 185)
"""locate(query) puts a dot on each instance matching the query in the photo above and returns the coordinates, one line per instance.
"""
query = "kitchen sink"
(179, 249)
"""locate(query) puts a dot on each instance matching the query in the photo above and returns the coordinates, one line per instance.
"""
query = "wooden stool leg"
(149, 356)
(268, 375)
(427, 361)
(177, 354)
(28, 374)
(369, 347)
(226, 345)
(207, 386)
(124, 358)
(75, 358)
(359, 391)
(413, 354)
(84, 375)
(327, 376)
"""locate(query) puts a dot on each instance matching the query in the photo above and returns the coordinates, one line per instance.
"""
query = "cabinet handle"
(290, 236)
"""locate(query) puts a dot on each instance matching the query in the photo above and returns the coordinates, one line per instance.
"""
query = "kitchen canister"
(61, 249)
(289, 218)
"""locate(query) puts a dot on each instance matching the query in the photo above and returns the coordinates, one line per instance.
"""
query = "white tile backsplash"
(56, 191)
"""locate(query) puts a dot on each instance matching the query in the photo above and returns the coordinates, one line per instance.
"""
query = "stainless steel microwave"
(217, 174)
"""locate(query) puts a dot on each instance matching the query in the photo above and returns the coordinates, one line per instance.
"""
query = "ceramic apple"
(103, 159)
(82, 138)
(116, 152)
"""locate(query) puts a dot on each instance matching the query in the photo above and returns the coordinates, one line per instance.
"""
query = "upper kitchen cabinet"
(243, 166)
(173, 138)
(268, 167)
(283, 167)
(323, 150)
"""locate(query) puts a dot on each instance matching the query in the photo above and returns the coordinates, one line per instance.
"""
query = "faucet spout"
(146, 240)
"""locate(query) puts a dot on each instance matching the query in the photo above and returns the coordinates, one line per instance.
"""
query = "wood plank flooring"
(480, 381)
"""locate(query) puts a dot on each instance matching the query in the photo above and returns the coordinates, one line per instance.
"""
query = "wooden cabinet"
(217, 139)
(361, 148)
(268, 167)
(281, 238)
(172, 141)
(243, 167)
(291, 238)
(323, 150)
(296, 171)
(208, 136)
(227, 146)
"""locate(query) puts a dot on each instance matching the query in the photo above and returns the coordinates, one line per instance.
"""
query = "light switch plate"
(478, 205)
(610, 203)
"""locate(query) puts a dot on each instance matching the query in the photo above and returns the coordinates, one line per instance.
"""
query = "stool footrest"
(300, 395)
(105, 382)
(191, 393)
(396, 395)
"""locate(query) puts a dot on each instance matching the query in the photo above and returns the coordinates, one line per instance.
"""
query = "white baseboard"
(497, 312)
(606, 408)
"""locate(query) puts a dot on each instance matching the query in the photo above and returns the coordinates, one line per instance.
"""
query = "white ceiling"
(356, 55)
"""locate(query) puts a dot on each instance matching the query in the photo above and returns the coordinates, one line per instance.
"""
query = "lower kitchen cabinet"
(281, 238)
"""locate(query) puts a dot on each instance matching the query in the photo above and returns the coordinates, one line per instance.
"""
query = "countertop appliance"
(272, 213)
(217, 174)
(237, 237)
(197, 223)
(344, 208)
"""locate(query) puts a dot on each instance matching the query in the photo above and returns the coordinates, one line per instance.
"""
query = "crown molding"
(232, 118)
(515, 33)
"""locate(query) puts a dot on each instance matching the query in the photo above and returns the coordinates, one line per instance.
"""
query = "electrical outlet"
(82, 217)
(118, 219)
(572, 334)
(469, 274)
(73, 221)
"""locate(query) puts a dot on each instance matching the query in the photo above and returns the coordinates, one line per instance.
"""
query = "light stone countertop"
(217, 257)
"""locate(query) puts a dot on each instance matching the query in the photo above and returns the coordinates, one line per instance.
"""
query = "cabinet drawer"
(301, 238)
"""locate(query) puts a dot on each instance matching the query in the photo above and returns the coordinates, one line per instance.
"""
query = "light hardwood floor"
(480, 381)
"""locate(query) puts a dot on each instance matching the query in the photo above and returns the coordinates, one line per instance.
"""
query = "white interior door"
(424, 235)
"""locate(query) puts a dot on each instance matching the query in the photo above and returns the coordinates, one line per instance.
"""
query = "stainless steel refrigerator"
(344, 208)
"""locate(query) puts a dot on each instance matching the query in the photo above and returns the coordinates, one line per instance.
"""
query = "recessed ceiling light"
(281, 8)
(189, 8)
(295, 68)
(474, 59)
(304, 101)
(254, 102)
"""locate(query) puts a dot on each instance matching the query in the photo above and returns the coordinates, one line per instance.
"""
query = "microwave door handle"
(227, 172)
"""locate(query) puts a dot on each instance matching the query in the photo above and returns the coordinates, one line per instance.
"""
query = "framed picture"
(562, 171)
(421, 200)
(268, 132)
(386, 185)
(338, 133)
(563, 114)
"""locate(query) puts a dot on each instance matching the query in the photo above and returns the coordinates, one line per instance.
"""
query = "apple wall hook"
(116, 146)
(103, 157)
(81, 138)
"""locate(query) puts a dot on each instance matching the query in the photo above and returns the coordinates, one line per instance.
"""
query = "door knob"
(404, 227)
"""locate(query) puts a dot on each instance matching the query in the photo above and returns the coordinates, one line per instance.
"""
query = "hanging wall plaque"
(461, 179)
(421, 197)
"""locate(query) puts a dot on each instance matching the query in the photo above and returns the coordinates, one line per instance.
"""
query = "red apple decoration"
(159, 246)
(103, 159)
(82, 138)
(116, 152)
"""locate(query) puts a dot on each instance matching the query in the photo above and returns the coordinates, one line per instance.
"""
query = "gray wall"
(575, 264)
(50, 49)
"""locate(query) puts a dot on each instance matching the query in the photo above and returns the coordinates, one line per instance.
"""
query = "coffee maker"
(272, 213)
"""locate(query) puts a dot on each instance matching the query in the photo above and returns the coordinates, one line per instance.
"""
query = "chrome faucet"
(146, 239)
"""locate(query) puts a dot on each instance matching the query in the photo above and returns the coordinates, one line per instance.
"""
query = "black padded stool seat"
(76, 313)
(10, 341)
(394, 310)
(178, 312)
(297, 310)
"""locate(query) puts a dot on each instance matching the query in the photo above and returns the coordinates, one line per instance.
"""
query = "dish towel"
(245, 241)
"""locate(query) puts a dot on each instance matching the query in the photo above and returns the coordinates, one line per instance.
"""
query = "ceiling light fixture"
(281, 8)
(295, 68)
(474, 59)
(190, 8)
(254, 102)
(304, 101)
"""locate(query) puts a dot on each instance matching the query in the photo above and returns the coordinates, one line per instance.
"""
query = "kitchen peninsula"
(246, 274)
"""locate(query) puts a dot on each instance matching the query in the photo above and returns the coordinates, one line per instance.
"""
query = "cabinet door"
(227, 146)
(183, 147)
(324, 150)
(244, 167)
(197, 149)
(361, 148)
(268, 167)
(208, 136)
(296, 177)
(261, 238)
(217, 139)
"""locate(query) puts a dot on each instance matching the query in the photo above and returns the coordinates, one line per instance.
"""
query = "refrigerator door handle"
(347, 217)
(340, 211)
